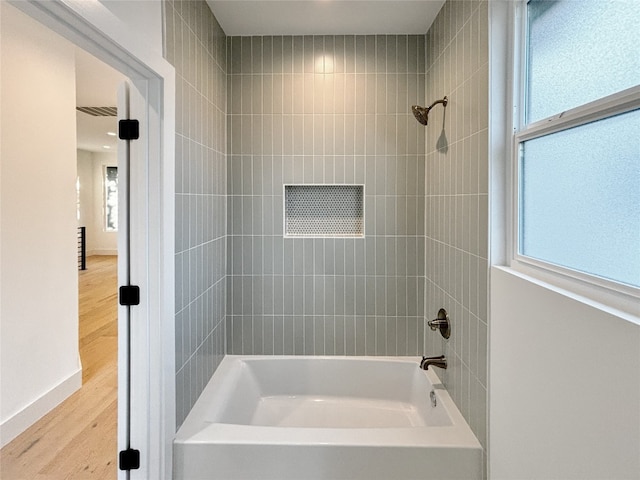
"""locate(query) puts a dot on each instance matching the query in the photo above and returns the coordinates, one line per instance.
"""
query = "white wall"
(144, 16)
(39, 280)
(564, 385)
(90, 172)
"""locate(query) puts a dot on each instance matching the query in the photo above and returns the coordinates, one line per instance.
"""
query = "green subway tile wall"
(196, 46)
(456, 202)
(326, 110)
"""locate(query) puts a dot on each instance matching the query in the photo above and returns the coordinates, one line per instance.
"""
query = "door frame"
(92, 27)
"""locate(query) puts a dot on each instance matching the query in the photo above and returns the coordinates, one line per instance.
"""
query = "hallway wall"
(40, 365)
(329, 110)
(196, 47)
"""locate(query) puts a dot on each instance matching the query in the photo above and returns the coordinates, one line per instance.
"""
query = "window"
(577, 141)
(111, 199)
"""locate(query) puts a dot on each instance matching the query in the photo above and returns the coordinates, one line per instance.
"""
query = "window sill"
(618, 303)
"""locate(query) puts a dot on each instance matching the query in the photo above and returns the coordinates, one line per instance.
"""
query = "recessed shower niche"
(324, 210)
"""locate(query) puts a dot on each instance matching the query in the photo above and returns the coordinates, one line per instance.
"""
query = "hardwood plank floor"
(77, 440)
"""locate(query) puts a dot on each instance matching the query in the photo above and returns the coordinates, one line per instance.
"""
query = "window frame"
(605, 291)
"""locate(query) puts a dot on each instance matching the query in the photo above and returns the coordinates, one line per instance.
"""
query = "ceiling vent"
(99, 111)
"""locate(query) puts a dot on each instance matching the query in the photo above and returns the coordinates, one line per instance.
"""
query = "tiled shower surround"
(318, 110)
(457, 183)
(196, 46)
(255, 113)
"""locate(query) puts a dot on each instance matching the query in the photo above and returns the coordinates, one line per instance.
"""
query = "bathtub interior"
(328, 393)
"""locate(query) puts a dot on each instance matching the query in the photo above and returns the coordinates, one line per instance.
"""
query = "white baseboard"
(104, 251)
(19, 422)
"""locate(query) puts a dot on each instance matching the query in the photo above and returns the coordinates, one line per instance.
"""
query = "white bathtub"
(325, 418)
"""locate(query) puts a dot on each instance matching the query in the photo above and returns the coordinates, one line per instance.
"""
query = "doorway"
(98, 31)
(98, 217)
(78, 438)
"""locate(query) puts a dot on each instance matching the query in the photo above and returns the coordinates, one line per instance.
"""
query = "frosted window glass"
(580, 198)
(579, 52)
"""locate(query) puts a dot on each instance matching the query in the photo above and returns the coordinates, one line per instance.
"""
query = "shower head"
(422, 113)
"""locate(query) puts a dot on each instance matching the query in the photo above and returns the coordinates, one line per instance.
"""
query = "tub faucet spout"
(435, 361)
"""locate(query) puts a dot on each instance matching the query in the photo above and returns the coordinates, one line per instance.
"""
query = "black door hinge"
(129, 459)
(129, 295)
(128, 129)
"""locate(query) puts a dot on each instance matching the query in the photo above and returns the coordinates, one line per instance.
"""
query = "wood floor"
(77, 440)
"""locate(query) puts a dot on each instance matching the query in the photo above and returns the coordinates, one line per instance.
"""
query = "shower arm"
(444, 102)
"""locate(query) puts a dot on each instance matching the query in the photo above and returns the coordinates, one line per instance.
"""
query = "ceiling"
(325, 17)
(96, 86)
